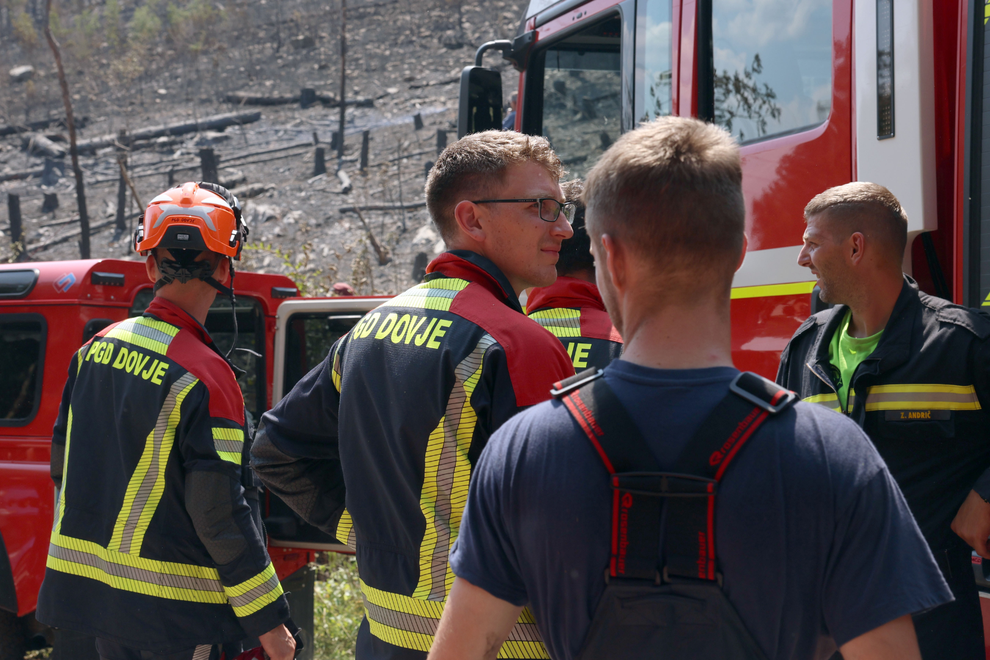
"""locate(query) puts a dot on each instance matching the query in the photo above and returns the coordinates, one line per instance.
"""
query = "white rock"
(259, 213)
(426, 234)
(293, 217)
(439, 247)
(21, 73)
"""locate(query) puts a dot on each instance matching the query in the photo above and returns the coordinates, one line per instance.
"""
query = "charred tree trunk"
(343, 77)
(71, 122)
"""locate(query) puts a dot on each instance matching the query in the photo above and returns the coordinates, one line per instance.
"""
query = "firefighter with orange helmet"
(160, 557)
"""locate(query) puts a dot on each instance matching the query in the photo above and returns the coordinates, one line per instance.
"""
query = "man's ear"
(468, 217)
(222, 271)
(151, 267)
(855, 245)
(616, 261)
(742, 257)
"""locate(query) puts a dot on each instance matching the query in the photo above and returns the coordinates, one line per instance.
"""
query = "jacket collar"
(169, 312)
(565, 292)
(473, 267)
(894, 347)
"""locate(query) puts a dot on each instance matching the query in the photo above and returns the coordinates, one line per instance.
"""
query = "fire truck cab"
(818, 93)
(47, 311)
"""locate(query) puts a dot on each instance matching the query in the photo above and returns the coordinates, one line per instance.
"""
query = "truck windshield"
(653, 59)
(773, 66)
(581, 96)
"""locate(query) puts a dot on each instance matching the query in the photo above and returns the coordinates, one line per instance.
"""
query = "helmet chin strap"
(185, 268)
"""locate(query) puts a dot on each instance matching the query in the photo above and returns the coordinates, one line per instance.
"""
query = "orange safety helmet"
(193, 216)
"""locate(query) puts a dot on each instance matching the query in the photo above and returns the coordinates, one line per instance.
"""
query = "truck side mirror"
(480, 104)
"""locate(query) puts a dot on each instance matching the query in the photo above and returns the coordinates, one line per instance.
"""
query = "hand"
(972, 523)
(279, 643)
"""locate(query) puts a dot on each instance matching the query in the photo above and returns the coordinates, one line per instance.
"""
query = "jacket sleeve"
(980, 363)
(212, 454)
(295, 451)
(61, 429)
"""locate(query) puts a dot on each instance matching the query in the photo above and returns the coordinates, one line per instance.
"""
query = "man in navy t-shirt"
(816, 545)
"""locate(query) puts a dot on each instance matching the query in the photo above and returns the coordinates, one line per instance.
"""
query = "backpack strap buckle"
(563, 388)
(762, 393)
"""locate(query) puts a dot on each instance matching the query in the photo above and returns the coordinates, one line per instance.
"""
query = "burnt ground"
(399, 55)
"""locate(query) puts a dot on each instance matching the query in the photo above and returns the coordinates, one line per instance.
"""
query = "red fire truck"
(817, 92)
(47, 311)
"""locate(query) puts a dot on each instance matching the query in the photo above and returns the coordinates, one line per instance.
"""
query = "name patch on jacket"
(402, 329)
(916, 415)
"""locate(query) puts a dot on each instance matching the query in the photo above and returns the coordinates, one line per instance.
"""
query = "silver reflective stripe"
(524, 632)
(448, 462)
(202, 652)
(172, 209)
(148, 483)
(401, 620)
(248, 597)
(138, 328)
(234, 446)
(132, 573)
(572, 322)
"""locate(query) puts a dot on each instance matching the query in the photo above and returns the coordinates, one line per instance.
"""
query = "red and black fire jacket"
(153, 544)
(392, 424)
(922, 397)
(573, 311)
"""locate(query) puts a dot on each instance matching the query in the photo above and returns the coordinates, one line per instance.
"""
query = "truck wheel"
(13, 646)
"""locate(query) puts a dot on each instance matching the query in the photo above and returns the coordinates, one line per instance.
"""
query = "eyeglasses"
(550, 209)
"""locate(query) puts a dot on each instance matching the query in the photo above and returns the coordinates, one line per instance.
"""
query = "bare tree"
(71, 123)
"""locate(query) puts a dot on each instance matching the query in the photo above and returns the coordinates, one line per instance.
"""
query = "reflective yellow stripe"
(448, 470)
(81, 355)
(335, 373)
(251, 595)
(161, 579)
(146, 333)
(411, 623)
(145, 488)
(436, 294)
(768, 290)
(228, 443)
(562, 322)
(831, 400)
(60, 504)
(345, 530)
(922, 396)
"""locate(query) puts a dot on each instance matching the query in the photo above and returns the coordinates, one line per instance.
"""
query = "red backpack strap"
(689, 538)
(639, 488)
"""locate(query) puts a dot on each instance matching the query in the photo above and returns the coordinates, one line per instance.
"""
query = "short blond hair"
(868, 208)
(474, 167)
(672, 191)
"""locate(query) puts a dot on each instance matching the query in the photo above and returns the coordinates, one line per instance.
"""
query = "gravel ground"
(398, 55)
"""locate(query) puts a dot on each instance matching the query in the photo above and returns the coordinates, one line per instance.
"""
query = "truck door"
(304, 332)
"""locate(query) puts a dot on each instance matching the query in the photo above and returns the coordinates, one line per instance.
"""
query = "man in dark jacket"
(154, 550)
(914, 372)
(572, 307)
(392, 422)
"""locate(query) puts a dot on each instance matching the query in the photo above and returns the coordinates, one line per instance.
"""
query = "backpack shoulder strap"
(624, 453)
(639, 488)
(689, 534)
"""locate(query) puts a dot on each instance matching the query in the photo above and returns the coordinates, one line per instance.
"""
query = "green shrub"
(24, 31)
(338, 608)
(145, 27)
